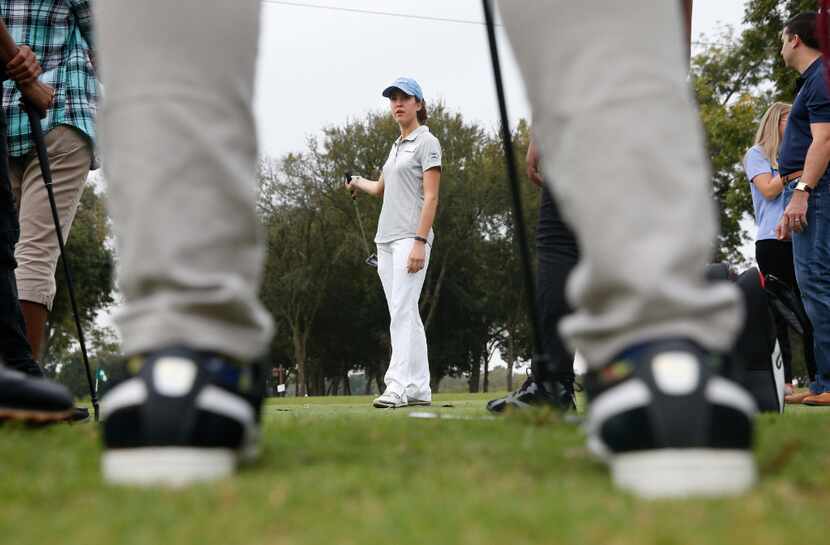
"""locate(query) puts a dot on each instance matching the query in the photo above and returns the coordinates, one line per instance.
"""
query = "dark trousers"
(14, 347)
(557, 255)
(775, 257)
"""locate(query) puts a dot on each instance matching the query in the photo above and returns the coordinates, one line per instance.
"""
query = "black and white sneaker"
(554, 395)
(669, 424)
(32, 400)
(184, 417)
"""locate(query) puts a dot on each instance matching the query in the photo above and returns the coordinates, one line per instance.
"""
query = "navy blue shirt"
(812, 105)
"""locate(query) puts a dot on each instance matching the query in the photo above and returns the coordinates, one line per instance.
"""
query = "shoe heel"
(166, 466)
(675, 473)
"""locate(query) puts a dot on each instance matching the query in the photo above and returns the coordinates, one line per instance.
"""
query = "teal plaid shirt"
(60, 34)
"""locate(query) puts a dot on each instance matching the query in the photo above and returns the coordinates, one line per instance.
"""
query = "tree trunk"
(475, 375)
(347, 383)
(299, 360)
(321, 382)
(382, 367)
(486, 374)
(433, 298)
(511, 360)
(334, 386)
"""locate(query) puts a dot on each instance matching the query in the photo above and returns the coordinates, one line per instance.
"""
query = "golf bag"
(757, 349)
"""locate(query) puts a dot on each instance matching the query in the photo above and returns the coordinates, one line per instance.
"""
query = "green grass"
(335, 471)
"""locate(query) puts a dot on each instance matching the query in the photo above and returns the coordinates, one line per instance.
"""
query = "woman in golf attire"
(409, 187)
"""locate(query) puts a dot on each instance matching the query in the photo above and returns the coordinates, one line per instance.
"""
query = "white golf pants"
(408, 373)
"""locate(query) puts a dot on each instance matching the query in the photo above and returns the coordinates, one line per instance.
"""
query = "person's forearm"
(371, 187)
(771, 188)
(815, 164)
(427, 216)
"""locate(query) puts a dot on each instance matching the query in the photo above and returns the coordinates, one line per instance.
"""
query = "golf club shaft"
(360, 224)
(519, 231)
(359, 217)
(43, 159)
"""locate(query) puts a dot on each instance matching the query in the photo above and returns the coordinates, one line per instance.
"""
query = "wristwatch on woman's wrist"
(420, 239)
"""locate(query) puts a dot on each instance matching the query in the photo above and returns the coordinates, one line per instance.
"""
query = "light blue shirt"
(767, 212)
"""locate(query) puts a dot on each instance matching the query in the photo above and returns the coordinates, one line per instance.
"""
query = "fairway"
(336, 471)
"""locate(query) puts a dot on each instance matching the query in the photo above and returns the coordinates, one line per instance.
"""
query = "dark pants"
(557, 254)
(14, 347)
(775, 257)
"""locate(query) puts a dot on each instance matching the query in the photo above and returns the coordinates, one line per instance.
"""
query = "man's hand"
(795, 216)
(24, 68)
(533, 164)
(417, 257)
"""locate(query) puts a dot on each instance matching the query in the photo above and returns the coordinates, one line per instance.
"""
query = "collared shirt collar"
(413, 135)
(799, 82)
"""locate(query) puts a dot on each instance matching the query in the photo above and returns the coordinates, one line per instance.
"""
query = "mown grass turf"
(336, 471)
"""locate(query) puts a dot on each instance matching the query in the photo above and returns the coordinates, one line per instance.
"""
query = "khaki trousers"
(623, 153)
(37, 251)
(179, 151)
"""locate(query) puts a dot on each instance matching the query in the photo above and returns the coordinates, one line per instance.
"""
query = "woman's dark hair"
(422, 113)
(803, 25)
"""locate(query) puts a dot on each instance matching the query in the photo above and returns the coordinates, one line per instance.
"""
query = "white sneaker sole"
(167, 466)
(385, 405)
(678, 473)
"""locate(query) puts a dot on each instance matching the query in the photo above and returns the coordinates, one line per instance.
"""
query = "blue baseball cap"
(407, 85)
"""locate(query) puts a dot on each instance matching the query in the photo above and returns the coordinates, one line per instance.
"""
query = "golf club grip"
(36, 93)
(349, 179)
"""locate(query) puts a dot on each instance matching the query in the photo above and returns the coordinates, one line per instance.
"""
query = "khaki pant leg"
(37, 251)
(623, 152)
(179, 154)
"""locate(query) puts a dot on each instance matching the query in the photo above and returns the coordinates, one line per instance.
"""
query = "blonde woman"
(774, 256)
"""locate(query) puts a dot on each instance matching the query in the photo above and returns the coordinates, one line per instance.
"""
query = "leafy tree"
(91, 260)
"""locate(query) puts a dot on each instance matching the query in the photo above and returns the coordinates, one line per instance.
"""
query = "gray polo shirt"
(403, 185)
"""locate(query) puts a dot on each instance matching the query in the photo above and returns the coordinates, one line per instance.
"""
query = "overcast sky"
(319, 67)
